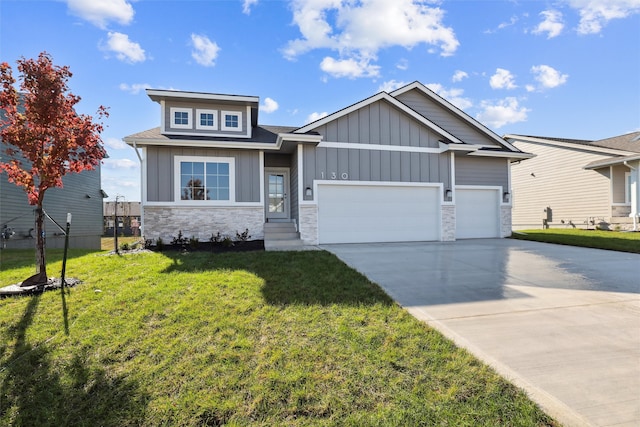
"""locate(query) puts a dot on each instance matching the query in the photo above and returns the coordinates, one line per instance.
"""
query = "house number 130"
(334, 175)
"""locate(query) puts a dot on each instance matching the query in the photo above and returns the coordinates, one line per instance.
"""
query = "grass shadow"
(305, 277)
(34, 392)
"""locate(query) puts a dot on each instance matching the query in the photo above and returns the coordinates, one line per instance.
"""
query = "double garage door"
(378, 213)
(390, 213)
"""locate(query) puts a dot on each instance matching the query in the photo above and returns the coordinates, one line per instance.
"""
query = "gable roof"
(627, 142)
(375, 98)
(457, 111)
(580, 144)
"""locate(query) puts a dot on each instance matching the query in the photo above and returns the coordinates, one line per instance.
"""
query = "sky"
(560, 68)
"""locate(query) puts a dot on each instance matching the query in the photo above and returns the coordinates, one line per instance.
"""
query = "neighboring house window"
(207, 119)
(231, 120)
(627, 187)
(206, 178)
(181, 118)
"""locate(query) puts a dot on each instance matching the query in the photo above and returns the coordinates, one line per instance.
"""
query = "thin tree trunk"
(41, 266)
(40, 278)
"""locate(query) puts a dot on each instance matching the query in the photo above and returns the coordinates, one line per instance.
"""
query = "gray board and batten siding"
(160, 171)
(482, 171)
(448, 121)
(379, 123)
(87, 219)
(193, 106)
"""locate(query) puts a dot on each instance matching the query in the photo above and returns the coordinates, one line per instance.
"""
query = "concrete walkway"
(561, 322)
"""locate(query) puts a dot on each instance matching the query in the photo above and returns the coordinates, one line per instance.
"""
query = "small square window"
(206, 119)
(181, 118)
(231, 120)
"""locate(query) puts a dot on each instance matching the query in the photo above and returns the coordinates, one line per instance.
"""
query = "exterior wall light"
(308, 192)
(506, 196)
(448, 194)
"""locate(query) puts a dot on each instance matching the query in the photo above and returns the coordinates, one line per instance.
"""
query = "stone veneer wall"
(202, 222)
(308, 226)
(448, 223)
(505, 221)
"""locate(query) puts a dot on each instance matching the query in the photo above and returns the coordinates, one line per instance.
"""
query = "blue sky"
(565, 68)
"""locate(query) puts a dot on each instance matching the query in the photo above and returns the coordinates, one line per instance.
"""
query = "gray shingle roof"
(267, 134)
(627, 142)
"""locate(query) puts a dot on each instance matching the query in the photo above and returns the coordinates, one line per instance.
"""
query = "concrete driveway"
(561, 322)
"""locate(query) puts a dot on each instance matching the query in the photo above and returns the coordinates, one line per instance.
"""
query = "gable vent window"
(207, 119)
(231, 120)
(181, 118)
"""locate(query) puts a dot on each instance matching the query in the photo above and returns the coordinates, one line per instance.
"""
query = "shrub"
(244, 236)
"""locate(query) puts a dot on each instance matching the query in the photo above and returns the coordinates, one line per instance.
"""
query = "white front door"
(277, 193)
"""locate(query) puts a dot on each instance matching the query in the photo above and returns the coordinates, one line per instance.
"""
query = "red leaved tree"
(43, 136)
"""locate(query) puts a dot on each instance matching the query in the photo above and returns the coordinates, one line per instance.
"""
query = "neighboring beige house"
(577, 183)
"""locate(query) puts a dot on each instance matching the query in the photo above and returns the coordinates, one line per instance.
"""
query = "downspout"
(142, 183)
(634, 198)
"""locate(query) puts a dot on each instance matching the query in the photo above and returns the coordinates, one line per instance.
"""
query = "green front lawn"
(611, 240)
(257, 338)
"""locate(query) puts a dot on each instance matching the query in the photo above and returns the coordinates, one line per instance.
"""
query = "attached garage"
(477, 213)
(352, 213)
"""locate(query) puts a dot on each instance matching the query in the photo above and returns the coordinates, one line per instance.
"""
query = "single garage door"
(366, 213)
(477, 213)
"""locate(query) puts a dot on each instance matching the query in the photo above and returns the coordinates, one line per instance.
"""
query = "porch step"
(282, 236)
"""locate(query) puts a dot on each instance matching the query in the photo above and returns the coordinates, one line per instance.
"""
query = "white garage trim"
(478, 211)
(366, 212)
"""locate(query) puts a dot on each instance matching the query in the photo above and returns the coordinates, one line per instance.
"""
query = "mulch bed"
(52, 284)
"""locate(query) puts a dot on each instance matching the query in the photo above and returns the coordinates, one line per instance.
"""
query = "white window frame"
(205, 127)
(223, 121)
(627, 188)
(189, 112)
(204, 159)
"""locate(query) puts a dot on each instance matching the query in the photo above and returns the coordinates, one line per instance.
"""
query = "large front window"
(202, 178)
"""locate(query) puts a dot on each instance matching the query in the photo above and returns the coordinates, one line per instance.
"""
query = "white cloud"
(204, 51)
(358, 30)
(503, 112)
(121, 164)
(552, 24)
(403, 64)
(459, 75)
(135, 88)
(114, 143)
(315, 116)
(502, 79)
(548, 77)
(269, 105)
(391, 85)
(595, 14)
(246, 6)
(503, 25)
(350, 68)
(453, 95)
(100, 12)
(125, 49)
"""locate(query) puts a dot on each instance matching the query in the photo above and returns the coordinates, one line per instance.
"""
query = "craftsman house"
(401, 166)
